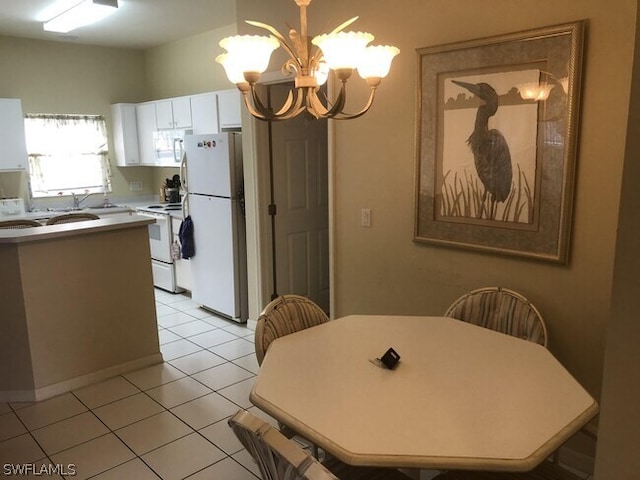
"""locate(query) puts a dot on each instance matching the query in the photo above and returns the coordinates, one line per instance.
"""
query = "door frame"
(255, 144)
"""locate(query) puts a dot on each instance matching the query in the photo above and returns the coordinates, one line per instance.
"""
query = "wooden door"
(300, 179)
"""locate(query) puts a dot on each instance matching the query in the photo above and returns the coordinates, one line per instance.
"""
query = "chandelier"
(310, 60)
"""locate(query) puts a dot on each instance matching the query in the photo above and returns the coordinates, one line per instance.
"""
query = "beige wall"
(59, 77)
(380, 269)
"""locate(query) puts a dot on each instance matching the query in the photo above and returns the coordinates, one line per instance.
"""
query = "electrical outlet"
(365, 217)
(133, 186)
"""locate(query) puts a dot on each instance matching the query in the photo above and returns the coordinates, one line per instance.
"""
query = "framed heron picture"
(497, 141)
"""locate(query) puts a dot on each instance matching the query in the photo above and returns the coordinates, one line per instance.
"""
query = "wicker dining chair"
(285, 315)
(502, 310)
(279, 458)
(15, 224)
(511, 313)
(72, 217)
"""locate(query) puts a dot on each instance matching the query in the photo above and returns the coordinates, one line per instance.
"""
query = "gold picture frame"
(496, 146)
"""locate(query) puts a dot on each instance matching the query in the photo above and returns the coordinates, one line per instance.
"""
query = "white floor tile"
(227, 469)
(154, 376)
(183, 457)
(221, 435)
(233, 349)
(11, 426)
(192, 328)
(69, 433)
(174, 319)
(214, 337)
(246, 460)
(106, 392)
(239, 392)
(127, 411)
(181, 391)
(153, 432)
(20, 450)
(167, 336)
(205, 410)
(222, 376)
(197, 362)
(179, 348)
(133, 469)
(248, 362)
(95, 456)
(50, 411)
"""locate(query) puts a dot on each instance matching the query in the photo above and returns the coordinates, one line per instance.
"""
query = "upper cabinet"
(204, 113)
(146, 123)
(13, 154)
(173, 113)
(141, 131)
(125, 134)
(229, 109)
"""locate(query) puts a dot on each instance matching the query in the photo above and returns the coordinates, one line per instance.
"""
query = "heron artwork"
(490, 149)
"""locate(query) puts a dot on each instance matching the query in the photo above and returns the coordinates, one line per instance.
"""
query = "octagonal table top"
(461, 396)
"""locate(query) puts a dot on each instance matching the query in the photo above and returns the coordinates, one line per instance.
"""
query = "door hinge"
(273, 210)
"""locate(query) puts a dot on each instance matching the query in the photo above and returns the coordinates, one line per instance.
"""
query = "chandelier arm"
(278, 35)
(344, 25)
(347, 116)
(252, 111)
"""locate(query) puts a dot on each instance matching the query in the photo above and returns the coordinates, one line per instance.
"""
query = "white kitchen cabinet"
(182, 265)
(173, 113)
(204, 113)
(229, 109)
(13, 154)
(125, 134)
(146, 123)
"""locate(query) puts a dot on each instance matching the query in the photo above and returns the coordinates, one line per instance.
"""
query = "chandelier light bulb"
(248, 53)
(375, 61)
(342, 50)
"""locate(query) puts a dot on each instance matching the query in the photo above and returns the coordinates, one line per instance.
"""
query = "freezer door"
(218, 270)
(211, 164)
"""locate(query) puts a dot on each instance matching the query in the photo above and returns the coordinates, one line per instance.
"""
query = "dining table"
(459, 397)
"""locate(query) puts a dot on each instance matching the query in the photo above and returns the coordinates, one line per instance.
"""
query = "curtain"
(67, 154)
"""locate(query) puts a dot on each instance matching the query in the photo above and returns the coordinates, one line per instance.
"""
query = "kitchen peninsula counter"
(77, 305)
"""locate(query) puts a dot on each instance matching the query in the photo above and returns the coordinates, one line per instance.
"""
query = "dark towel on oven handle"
(185, 234)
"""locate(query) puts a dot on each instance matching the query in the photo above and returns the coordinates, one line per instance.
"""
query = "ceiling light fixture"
(310, 60)
(80, 14)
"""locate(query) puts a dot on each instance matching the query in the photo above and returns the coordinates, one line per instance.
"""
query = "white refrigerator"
(215, 202)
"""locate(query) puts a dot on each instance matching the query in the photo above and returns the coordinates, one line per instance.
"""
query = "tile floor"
(166, 421)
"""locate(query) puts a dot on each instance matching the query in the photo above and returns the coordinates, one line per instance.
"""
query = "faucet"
(77, 201)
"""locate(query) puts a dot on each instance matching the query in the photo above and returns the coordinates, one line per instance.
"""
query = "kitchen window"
(68, 154)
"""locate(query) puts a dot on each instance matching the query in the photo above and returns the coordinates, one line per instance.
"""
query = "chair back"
(285, 315)
(501, 310)
(14, 224)
(278, 458)
(72, 217)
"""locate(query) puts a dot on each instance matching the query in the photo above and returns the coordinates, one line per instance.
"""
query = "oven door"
(159, 236)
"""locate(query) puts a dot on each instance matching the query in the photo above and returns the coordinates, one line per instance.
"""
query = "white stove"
(160, 239)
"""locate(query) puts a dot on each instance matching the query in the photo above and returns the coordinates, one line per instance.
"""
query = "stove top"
(162, 207)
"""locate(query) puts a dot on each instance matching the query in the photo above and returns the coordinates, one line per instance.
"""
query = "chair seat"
(547, 470)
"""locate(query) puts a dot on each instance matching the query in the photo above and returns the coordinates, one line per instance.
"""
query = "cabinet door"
(164, 114)
(13, 154)
(146, 122)
(181, 112)
(229, 109)
(125, 134)
(204, 113)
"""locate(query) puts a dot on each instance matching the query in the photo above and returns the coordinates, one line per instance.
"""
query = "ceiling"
(138, 24)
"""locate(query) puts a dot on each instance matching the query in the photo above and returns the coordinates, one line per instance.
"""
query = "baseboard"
(59, 388)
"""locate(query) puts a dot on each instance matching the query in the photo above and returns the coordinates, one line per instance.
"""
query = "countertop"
(49, 232)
